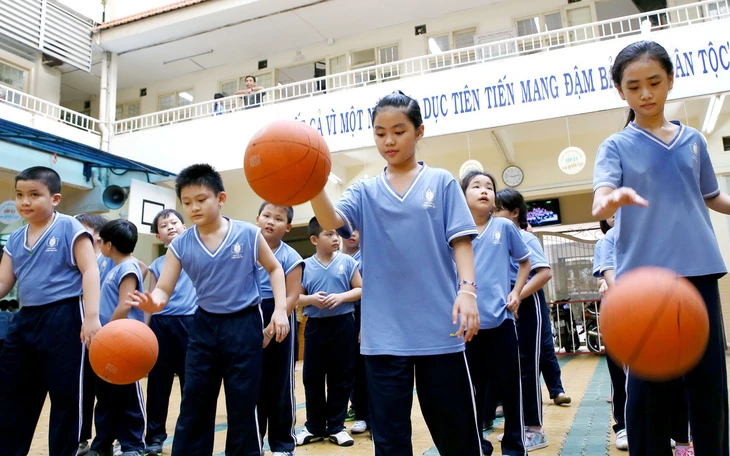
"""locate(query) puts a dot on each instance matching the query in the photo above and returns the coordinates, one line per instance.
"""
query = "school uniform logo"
(341, 269)
(52, 244)
(428, 197)
(695, 148)
(497, 239)
(236, 250)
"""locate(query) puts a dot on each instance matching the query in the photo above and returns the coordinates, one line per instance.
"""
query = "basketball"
(655, 323)
(123, 351)
(287, 163)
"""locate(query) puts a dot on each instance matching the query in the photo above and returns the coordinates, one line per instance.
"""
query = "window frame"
(451, 33)
(176, 93)
(26, 75)
(125, 108)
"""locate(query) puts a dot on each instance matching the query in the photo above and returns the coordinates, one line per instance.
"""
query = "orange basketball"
(123, 351)
(287, 163)
(655, 323)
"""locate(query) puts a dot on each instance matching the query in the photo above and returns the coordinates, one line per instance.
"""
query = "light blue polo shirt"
(409, 292)
(537, 256)
(674, 231)
(289, 260)
(109, 299)
(334, 277)
(494, 249)
(597, 259)
(183, 299)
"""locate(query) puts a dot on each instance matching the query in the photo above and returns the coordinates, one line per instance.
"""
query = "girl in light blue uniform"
(414, 224)
(659, 170)
(493, 354)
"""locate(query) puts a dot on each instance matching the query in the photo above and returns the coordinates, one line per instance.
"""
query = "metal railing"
(38, 106)
(541, 42)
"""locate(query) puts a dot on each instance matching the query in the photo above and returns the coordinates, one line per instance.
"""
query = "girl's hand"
(89, 328)
(620, 197)
(465, 306)
(513, 303)
(279, 326)
(145, 302)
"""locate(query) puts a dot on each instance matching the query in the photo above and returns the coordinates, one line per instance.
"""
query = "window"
(375, 56)
(13, 76)
(229, 87)
(127, 110)
(716, 10)
(175, 99)
(726, 143)
(537, 24)
(338, 64)
(580, 16)
(458, 39)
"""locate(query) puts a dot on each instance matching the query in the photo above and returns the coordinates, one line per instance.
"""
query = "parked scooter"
(564, 326)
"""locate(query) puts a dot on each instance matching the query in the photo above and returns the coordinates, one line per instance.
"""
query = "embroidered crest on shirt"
(497, 237)
(695, 152)
(428, 197)
(341, 269)
(236, 251)
(52, 244)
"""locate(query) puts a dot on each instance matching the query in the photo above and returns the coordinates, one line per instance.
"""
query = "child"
(668, 164)
(93, 224)
(52, 259)
(171, 327)
(331, 284)
(359, 396)
(493, 354)
(511, 205)
(119, 408)
(220, 256)
(276, 404)
(414, 223)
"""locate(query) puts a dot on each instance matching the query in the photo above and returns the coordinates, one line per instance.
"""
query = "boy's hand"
(318, 299)
(89, 328)
(267, 338)
(465, 306)
(513, 303)
(279, 326)
(145, 302)
(333, 300)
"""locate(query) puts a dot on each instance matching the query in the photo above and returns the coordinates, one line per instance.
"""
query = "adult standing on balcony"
(251, 98)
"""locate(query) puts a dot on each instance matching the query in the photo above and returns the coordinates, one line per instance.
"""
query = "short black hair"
(604, 226)
(4, 306)
(164, 214)
(201, 174)
(49, 177)
(314, 227)
(94, 221)
(250, 76)
(121, 233)
(288, 209)
(466, 180)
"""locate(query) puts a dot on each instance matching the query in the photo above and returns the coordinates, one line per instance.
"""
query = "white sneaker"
(117, 449)
(359, 427)
(304, 437)
(282, 453)
(342, 438)
(622, 442)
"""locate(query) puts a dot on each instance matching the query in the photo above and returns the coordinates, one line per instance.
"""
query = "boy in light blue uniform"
(226, 337)
(119, 412)
(171, 328)
(277, 404)
(93, 224)
(493, 354)
(331, 284)
(52, 259)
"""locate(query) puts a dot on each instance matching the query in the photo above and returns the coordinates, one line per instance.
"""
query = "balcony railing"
(38, 106)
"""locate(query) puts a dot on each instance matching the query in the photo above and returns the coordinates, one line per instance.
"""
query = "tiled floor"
(582, 428)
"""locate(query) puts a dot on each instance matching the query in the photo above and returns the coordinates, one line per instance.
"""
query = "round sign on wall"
(572, 160)
(468, 166)
(8, 213)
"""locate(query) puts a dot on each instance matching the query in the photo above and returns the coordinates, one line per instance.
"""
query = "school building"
(118, 96)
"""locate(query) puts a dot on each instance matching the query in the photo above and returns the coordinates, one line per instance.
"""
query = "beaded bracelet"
(467, 282)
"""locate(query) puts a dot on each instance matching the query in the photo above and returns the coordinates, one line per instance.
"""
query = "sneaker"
(282, 453)
(500, 437)
(488, 425)
(305, 437)
(96, 453)
(359, 427)
(117, 449)
(499, 412)
(133, 453)
(622, 442)
(83, 448)
(350, 414)
(154, 448)
(684, 451)
(342, 438)
(534, 440)
(561, 399)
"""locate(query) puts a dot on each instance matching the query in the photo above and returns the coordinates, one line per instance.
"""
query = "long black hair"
(634, 52)
(399, 100)
(466, 180)
(510, 199)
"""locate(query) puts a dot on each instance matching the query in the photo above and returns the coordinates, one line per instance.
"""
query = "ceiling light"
(334, 179)
(714, 114)
(708, 114)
